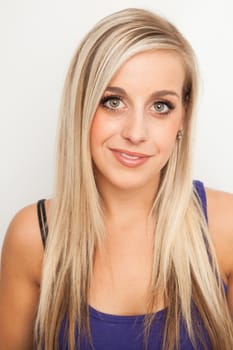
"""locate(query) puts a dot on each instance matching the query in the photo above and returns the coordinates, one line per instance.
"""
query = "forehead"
(151, 70)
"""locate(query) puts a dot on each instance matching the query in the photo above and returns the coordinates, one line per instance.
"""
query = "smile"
(128, 156)
(130, 159)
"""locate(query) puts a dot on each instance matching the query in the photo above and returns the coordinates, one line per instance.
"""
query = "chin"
(128, 183)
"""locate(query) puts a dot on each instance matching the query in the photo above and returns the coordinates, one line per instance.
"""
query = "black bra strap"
(42, 218)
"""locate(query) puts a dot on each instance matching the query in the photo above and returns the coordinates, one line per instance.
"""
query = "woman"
(126, 231)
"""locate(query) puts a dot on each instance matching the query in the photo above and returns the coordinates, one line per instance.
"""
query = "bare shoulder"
(220, 203)
(22, 243)
(220, 216)
(20, 274)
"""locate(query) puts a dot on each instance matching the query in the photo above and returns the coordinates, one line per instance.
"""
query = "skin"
(120, 279)
(137, 124)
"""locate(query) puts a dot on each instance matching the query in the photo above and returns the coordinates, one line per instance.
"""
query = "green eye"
(112, 102)
(161, 107)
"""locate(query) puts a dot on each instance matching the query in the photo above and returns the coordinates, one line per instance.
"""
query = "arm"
(21, 262)
(220, 213)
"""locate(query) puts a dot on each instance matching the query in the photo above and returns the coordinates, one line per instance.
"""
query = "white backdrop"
(37, 41)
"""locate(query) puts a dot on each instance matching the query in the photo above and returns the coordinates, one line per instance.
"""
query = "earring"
(179, 135)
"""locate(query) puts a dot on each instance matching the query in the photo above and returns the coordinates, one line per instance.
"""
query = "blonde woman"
(123, 257)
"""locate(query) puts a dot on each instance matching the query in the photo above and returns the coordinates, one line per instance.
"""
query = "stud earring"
(180, 135)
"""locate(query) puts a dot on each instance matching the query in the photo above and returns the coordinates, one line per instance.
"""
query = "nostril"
(135, 133)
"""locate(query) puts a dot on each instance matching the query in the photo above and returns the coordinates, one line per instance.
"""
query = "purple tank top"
(112, 332)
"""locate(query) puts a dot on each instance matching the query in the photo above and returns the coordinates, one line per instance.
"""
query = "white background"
(37, 41)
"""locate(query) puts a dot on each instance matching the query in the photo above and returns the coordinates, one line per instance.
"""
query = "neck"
(128, 205)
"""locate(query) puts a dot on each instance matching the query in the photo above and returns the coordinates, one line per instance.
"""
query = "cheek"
(98, 130)
(95, 138)
(103, 128)
(99, 133)
(95, 131)
(165, 137)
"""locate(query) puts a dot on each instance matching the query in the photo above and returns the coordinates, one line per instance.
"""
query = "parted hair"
(184, 262)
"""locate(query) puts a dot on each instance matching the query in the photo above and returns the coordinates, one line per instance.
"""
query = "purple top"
(113, 332)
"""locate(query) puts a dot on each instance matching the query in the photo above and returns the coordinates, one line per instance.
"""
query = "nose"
(135, 128)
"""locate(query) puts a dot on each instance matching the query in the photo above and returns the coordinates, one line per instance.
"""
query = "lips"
(128, 158)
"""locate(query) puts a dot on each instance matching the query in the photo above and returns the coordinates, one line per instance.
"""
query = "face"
(135, 125)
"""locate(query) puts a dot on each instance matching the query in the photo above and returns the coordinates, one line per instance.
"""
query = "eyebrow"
(155, 94)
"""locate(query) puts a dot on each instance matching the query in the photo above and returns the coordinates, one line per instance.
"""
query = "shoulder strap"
(200, 192)
(42, 218)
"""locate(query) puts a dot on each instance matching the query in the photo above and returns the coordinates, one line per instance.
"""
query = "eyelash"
(166, 103)
(108, 98)
(105, 99)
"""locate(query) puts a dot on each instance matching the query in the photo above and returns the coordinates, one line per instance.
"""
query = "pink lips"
(128, 158)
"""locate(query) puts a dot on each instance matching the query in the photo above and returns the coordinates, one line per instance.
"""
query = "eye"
(162, 107)
(112, 102)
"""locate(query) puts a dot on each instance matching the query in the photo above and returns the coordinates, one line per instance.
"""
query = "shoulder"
(20, 273)
(220, 202)
(22, 247)
(220, 212)
(220, 217)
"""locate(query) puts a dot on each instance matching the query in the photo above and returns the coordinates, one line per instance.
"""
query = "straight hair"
(185, 267)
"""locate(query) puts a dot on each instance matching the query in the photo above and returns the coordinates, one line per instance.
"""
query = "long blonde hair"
(184, 262)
